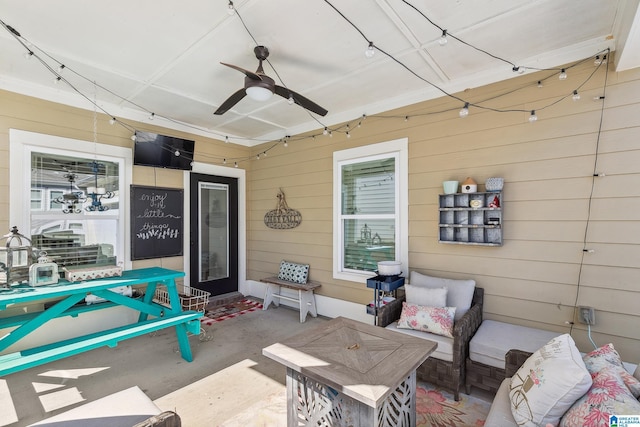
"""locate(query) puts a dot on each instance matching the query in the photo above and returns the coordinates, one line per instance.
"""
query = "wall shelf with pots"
(471, 218)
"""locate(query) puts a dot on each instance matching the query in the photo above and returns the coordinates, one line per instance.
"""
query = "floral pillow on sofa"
(608, 395)
(436, 320)
(607, 357)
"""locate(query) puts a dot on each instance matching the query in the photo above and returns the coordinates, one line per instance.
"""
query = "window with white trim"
(73, 206)
(370, 208)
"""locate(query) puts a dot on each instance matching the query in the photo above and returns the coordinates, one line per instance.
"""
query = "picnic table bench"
(71, 304)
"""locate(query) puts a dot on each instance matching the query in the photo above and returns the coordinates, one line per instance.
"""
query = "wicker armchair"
(450, 375)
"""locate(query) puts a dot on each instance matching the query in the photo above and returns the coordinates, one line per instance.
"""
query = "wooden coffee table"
(345, 372)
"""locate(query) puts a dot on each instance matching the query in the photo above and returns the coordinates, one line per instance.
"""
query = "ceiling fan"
(260, 87)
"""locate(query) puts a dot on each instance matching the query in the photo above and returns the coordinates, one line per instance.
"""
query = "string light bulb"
(604, 59)
(28, 54)
(540, 83)
(286, 144)
(57, 79)
(226, 139)
(348, 134)
(230, 9)
(563, 74)
(370, 51)
(112, 121)
(133, 137)
(443, 38)
(290, 100)
(177, 153)
(325, 131)
(517, 69)
(61, 67)
(533, 117)
(224, 161)
(464, 112)
(576, 95)
(152, 116)
(597, 61)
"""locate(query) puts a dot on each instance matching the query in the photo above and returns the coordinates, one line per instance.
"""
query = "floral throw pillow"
(548, 383)
(607, 356)
(607, 396)
(436, 320)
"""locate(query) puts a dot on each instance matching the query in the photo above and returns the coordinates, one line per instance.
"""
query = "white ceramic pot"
(389, 268)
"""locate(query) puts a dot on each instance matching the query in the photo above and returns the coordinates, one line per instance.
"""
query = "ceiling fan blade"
(231, 101)
(300, 100)
(248, 73)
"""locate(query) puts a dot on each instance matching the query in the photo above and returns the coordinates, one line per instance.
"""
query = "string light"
(224, 161)
(57, 79)
(230, 9)
(443, 38)
(133, 137)
(226, 139)
(370, 51)
(235, 165)
(533, 117)
(598, 61)
(152, 116)
(576, 95)
(290, 100)
(286, 144)
(177, 153)
(464, 112)
(348, 134)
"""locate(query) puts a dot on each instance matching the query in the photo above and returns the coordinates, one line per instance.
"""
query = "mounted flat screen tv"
(162, 151)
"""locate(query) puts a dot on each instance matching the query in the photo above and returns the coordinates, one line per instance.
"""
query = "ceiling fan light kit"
(260, 87)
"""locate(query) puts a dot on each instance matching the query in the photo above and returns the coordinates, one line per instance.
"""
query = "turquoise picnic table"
(68, 300)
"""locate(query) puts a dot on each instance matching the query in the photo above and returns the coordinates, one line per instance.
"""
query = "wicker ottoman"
(485, 364)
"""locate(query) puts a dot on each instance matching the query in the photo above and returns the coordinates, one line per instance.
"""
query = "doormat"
(228, 311)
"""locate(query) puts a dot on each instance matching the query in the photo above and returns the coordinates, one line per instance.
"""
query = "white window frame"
(23, 143)
(400, 149)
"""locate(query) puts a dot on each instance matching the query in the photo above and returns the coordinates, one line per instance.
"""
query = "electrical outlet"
(587, 315)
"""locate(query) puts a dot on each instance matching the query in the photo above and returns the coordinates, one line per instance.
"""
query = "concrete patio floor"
(229, 369)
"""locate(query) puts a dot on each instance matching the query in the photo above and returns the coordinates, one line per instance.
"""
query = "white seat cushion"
(459, 292)
(444, 351)
(493, 339)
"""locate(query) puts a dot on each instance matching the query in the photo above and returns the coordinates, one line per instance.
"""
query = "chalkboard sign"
(156, 222)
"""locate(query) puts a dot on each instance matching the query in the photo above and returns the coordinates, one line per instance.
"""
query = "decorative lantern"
(15, 258)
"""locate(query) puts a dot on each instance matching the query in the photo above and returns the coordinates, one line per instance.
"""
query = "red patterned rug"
(228, 311)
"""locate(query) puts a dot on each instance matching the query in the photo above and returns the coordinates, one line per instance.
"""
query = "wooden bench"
(306, 300)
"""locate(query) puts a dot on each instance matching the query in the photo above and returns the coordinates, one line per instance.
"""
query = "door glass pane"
(214, 231)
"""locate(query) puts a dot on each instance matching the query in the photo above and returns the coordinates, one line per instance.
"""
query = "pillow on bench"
(292, 272)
